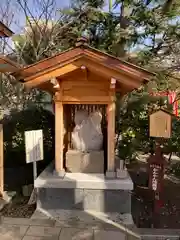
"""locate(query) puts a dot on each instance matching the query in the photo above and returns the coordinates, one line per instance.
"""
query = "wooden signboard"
(34, 145)
(34, 153)
(160, 124)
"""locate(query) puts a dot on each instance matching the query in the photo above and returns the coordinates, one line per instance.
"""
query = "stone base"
(92, 162)
(98, 200)
(121, 173)
(110, 174)
(60, 174)
(83, 192)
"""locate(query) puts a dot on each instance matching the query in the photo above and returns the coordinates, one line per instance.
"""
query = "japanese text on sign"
(155, 173)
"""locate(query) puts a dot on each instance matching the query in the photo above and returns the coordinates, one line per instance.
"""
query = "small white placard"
(34, 146)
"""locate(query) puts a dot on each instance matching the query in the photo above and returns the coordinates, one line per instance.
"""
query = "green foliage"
(14, 127)
(146, 28)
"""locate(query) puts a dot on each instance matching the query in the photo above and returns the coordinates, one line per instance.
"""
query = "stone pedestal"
(92, 162)
(83, 192)
(121, 173)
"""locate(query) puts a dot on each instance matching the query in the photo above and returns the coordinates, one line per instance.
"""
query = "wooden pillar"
(111, 113)
(59, 138)
(1, 161)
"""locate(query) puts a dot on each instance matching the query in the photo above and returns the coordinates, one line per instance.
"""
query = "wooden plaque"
(160, 124)
(34, 146)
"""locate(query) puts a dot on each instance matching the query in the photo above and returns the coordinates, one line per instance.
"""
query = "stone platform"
(84, 192)
(82, 162)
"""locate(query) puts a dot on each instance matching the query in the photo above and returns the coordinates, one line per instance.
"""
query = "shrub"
(14, 127)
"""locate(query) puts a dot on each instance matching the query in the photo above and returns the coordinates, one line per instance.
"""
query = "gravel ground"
(18, 208)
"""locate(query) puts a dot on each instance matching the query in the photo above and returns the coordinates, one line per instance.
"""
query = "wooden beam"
(59, 137)
(107, 72)
(59, 72)
(86, 102)
(85, 72)
(111, 113)
(77, 83)
(1, 161)
(82, 99)
(111, 137)
(80, 92)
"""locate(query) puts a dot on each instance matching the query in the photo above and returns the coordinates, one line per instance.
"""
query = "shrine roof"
(5, 31)
(84, 55)
(7, 65)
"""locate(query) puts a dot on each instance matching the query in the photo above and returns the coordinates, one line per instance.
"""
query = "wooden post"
(1, 161)
(111, 113)
(59, 138)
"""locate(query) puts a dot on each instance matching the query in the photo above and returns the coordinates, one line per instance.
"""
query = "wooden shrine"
(83, 76)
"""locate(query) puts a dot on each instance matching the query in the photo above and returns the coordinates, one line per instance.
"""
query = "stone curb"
(158, 234)
(161, 234)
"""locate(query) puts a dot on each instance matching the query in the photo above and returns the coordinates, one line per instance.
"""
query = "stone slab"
(10, 237)
(39, 238)
(91, 162)
(27, 221)
(7, 195)
(107, 200)
(39, 215)
(121, 173)
(107, 235)
(59, 174)
(10, 232)
(82, 180)
(84, 225)
(110, 174)
(43, 231)
(90, 218)
(2, 203)
(160, 238)
(84, 199)
(76, 234)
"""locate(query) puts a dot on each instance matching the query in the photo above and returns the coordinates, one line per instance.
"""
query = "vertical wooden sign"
(1, 160)
(34, 146)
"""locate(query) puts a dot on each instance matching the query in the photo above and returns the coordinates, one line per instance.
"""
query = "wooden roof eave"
(7, 65)
(48, 63)
(5, 31)
(99, 69)
(95, 54)
(118, 63)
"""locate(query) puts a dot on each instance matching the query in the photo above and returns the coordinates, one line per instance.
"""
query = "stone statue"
(87, 135)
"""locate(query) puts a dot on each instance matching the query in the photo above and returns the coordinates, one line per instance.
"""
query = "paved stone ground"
(47, 229)
(41, 227)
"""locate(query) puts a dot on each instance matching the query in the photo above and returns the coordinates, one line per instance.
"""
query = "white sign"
(34, 146)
